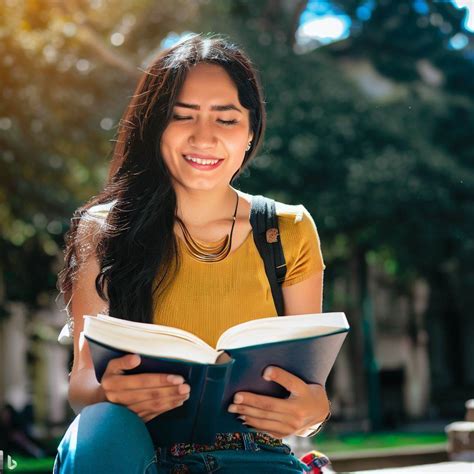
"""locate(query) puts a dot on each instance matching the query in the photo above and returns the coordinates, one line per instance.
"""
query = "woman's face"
(203, 129)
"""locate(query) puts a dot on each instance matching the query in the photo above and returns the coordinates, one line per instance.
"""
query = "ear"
(250, 136)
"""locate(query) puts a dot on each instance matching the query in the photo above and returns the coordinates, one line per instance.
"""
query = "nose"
(202, 136)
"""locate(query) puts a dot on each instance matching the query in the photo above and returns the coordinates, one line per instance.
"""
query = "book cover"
(307, 348)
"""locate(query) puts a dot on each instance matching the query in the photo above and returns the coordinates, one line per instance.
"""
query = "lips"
(200, 166)
(202, 157)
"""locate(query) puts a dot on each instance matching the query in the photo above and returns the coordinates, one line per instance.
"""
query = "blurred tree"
(67, 70)
(371, 133)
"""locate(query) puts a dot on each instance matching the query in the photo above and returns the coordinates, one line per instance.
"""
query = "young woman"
(169, 241)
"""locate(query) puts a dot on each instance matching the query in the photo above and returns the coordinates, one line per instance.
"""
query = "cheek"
(237, 139)
(166, 138)
(169, 141)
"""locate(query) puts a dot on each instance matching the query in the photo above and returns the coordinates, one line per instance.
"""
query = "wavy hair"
(135, 246)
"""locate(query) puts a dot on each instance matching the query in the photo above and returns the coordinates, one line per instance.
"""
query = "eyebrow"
(219, 108)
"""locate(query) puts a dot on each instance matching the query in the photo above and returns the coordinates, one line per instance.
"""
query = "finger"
(268, 426)
(157, 405)
(291, 382)
(147, 413)
(117, 366)
(259, 413)
(276, 435)
(149, 418)
(128, 397)
(263, 402)
(140, 381)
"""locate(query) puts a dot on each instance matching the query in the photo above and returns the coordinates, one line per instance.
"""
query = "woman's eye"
(228, 122)
(225, 122)
(180, 117)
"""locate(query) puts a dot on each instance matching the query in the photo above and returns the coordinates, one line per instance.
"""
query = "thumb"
(119, 364)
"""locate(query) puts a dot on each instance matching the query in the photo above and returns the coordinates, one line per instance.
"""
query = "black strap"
(263, 218)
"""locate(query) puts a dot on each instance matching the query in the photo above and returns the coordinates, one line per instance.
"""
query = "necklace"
(208, 252)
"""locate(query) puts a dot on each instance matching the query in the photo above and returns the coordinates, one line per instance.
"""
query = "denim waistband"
(250, 441)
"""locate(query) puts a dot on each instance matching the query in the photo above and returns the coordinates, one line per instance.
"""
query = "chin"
(201, 184)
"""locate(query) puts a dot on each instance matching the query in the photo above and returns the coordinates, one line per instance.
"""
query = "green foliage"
(65, 80)
(352, 442)
(372, 134)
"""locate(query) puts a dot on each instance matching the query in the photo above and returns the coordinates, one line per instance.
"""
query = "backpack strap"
(266, 236)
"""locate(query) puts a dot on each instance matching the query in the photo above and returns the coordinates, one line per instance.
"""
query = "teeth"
(201, 162)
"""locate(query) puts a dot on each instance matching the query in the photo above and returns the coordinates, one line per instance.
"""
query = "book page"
(170, 343)
(155, 328)
(281, 328)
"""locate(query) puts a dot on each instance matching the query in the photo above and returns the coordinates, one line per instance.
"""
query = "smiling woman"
(167, 241)
(210, 130)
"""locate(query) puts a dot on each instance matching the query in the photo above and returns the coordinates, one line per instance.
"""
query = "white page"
(154, 328)
(281, 328)
(167, 341)
(132, 339)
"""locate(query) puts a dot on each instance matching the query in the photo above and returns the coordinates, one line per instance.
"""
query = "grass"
(359, 442)
(31, 466)
(351, 442)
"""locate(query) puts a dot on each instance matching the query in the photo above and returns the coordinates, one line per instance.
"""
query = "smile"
(200, 163)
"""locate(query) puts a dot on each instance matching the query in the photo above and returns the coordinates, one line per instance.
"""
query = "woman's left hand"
(306, 406)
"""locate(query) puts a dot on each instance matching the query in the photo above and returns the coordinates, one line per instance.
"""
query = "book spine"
(216, 377)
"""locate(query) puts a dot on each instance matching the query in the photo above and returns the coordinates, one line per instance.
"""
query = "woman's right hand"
(149, 394)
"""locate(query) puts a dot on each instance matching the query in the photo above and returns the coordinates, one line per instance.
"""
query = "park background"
(370, 117)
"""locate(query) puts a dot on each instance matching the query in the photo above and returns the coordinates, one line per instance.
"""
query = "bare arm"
(303, 298)
(83, 386)
(84, 390)
(147, 394)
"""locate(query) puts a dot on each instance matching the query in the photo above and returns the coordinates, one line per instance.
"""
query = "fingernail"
(176, 379)
(241, 417)
(232, 408)
(267, 375)
(238, 398)
(135, 359)
(184, 389)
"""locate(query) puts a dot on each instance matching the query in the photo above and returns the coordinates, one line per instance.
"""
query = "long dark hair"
(137, 247)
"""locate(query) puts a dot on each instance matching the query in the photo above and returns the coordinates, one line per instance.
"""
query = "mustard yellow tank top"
(206, 298)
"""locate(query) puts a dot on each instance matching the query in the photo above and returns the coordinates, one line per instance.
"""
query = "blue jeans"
(109, 438)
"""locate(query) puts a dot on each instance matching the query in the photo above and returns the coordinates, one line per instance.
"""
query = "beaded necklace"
(205, 252)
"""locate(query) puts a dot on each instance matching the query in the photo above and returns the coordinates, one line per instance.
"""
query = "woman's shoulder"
(93, 221)
(90, 229)
(293, 212)
(296, 225)
(296, 221)
(100, 211)
(300, 240)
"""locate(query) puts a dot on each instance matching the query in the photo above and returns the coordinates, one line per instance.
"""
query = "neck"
(199, 208)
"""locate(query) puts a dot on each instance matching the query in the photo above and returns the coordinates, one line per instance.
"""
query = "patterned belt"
(226, 441)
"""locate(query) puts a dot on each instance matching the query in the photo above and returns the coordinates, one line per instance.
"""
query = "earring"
(248, 147)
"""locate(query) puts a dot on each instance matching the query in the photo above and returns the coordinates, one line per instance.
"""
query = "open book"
(305, 345)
